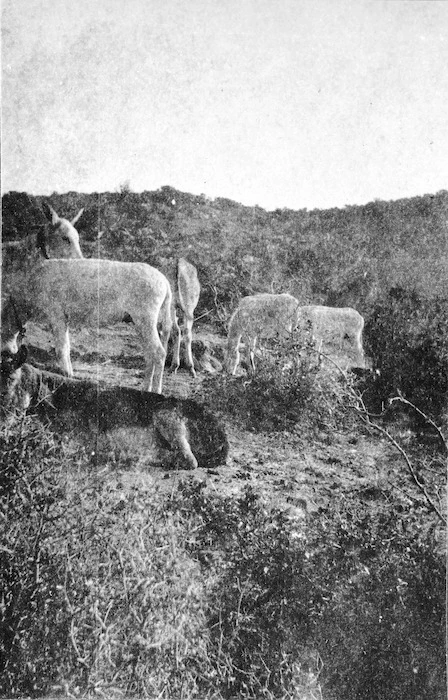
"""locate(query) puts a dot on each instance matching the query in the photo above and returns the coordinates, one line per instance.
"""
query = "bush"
(34, 625)
(362, 585)
(291, 387)
(258, 608)
(381, 624)
(97, 590)
(408, 341)
(111, 590)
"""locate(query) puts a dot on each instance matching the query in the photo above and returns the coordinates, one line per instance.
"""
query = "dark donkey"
(157, 424)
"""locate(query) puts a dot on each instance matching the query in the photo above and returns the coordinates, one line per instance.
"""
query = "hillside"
(311, 564)
(351, 256)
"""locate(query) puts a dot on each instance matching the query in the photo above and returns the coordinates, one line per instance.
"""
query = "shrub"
(98, 592)
(259, 612)
(34, 625)
(291, 387)
(408, 340)
(381, 623)
(362, 585)
(110, 590)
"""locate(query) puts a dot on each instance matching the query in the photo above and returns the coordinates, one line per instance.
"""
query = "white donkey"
(259, 316)
(183, 278)
(63, 242)
(186, 296)
(336, 332)
(91, 292)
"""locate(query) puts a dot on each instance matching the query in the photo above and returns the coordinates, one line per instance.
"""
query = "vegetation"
(408, 340)
(382, 611)
(360, 256)
(340, 257)
(294, 387)
(108, 590)
(98, 593)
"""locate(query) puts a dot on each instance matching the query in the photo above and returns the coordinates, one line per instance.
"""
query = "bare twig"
(363, 414)
(203, 315)
(423, 415)
(409, 465)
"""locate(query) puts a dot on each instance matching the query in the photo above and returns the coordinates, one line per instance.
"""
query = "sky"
(279, 103)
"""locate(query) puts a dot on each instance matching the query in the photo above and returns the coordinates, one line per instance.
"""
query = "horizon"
(214, 199)
(290, 105)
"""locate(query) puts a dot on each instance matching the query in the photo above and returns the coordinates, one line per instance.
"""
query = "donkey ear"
(51, 214)
(77, 217)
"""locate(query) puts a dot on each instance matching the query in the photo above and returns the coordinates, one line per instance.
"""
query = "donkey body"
(96, 293)
(62, 241)
(78, 292)
(259, 316)
(185, 298)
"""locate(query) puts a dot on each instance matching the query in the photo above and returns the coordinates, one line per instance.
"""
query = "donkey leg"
(188, 337)
(251, 344)
(62, 348)
(158, 366)
(153, 352)
(233, 354)
(175, 335)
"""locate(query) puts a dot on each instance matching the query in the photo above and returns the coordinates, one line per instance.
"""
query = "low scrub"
(408, 340)
(293, 386)
(381, 616)
(98, 593)
(358, 595)
(113, 590)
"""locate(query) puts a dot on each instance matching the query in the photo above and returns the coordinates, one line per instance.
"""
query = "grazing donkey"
(183, 278)
(259, 316)
(185, 297)
(337, 332)
(86, 292)
(151, 422)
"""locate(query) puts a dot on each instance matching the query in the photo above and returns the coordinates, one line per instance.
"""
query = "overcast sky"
(280, 103)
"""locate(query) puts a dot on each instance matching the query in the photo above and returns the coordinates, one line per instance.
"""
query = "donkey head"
(62, 238)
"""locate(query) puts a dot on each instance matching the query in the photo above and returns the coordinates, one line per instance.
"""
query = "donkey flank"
(192, 435)
(92, 293)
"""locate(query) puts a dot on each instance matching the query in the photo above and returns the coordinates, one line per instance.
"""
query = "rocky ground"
(286, 469)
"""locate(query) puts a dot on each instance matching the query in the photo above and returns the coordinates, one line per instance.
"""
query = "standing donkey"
(79, 292)
(63, 241)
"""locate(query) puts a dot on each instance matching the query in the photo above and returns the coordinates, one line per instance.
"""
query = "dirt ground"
(285, 469)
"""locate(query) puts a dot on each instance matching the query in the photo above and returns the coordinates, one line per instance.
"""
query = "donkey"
(152, 422)
(182, 275)
(185, 297)
(79, 292)
(60, 241)
(337, 331)
(259, 316)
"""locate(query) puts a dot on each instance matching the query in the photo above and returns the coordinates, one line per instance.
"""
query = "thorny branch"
(363, 414)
